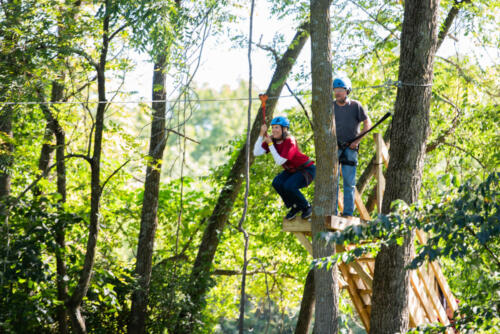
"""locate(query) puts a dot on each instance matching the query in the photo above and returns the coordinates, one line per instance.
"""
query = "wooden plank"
(340, 200)
(334, 223)
(450, 299)
(434, 299)
(304, 241)
(422, 296)
(365, 277)
(385, 153)
(355, 297)
(416, 313)
(340, 223)
(363, 213)
(438, 274)
(296, 225)
(379, 174)
(421, 236)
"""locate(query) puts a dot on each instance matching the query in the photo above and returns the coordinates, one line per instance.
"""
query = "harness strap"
(298, 169)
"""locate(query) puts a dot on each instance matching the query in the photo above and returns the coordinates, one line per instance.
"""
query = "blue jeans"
(288, 184)
(349, 178)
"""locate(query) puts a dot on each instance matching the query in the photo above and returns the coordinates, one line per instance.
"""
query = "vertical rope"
(241, 321)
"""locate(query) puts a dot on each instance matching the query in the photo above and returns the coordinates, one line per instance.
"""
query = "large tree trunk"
(200, 274)
(76, 299)
(325, 141)
(445, 27)
(149, 217)
(306, 306)
(410, 128)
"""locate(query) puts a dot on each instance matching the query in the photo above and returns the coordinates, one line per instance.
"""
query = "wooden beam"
(385, 153)
(422, 296)
(379, 174)
(340, 200)
(443, 284)
(416, 314)
(333, 223)
(450, 299)
(431, 293)
(363, 212)
(365, 277)
(304, 241)
(340, 223)
(355, 297)
(296, 225)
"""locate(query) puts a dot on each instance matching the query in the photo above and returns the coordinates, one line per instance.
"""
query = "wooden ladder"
(427, 282)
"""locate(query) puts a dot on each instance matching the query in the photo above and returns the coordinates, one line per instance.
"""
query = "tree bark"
(445, 27)
(149, 219)
(306, 306)
(54, 127)
(200, 274)
(410, 129)
(5, 158)
(325, 185)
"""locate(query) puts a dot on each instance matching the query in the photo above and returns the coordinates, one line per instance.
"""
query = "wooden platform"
(427, 283)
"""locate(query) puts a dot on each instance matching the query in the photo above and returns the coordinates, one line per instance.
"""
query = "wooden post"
(379, 142)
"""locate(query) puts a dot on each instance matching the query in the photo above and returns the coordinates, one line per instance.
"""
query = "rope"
(388, 84)
(241, 320)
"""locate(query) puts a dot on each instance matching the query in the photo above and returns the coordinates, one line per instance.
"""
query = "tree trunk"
(325, 185)
(5, 158)
(445, 27)
(54, 127)
(410, 128)
(149, 217)
(200, 274)
(82, 287)
(306, 306)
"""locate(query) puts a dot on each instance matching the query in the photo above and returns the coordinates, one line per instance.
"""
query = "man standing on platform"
(349, 114)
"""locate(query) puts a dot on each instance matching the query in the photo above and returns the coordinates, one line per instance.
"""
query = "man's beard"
(341, 100)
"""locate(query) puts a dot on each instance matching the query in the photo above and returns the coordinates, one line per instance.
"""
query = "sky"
(222, 64)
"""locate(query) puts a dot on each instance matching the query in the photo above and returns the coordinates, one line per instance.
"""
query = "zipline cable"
(388, 84)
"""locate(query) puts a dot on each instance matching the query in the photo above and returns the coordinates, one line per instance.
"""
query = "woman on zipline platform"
(299, 169)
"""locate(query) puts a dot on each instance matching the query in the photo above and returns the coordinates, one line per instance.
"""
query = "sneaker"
(307, 212)
(292, 214)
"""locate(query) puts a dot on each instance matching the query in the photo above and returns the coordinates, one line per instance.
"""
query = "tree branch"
(182, 135)
(439, 140)
(301, 104)
(114, 173)
(86, 56)
(445, 27)
(466, 152)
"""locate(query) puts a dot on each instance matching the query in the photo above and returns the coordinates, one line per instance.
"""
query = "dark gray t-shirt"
(348, 118)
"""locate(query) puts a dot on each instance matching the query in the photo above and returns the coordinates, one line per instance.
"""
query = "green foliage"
(27, 295)
(49, 40)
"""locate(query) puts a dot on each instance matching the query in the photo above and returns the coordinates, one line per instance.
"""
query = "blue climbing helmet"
(343, 83)
(281, 120)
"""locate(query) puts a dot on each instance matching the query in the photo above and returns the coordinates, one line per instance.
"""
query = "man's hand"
(354, 145)
(263, 130)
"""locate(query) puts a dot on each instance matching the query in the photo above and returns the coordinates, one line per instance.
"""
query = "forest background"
(73, 172)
